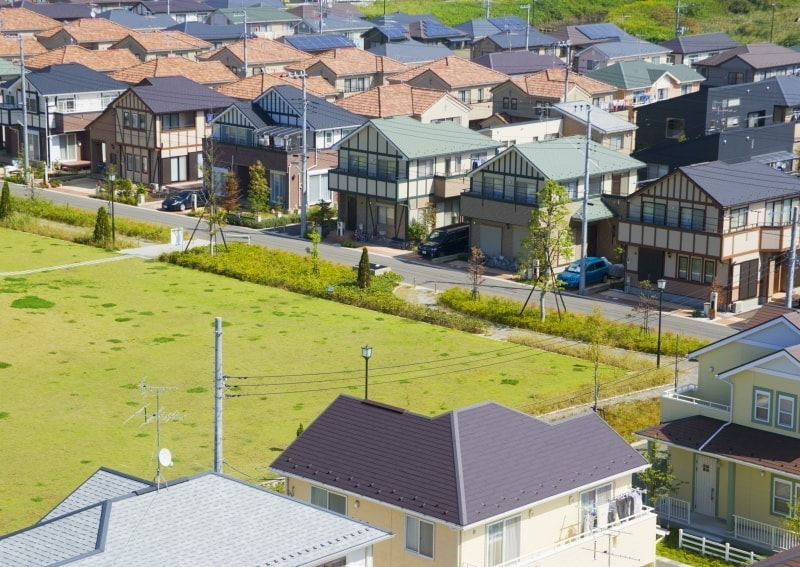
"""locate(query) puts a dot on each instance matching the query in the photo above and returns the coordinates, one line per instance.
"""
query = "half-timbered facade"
(270, 129)
(157, 130)
(390, 168)
(504, 190)
(712, 227)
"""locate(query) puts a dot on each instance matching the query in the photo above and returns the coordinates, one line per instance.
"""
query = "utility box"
(339, 228)
(176, 237)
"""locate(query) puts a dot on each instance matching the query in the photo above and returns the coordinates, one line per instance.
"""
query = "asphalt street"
(414, 270)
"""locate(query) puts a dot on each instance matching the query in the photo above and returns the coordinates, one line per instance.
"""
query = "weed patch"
(31, 302)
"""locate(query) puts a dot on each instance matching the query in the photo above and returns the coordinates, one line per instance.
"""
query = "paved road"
(414, 272)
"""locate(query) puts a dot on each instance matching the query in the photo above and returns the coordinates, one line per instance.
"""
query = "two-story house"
(153, 133)
(103, 61)
(21, 21)
(179, 10)
(253, 86)
(61, 101)
(608, 129)
(504, 190)
(525, 39)
(626, 48)
(211, 73)
(748, 64)
(91, 33)
(149, 45)
(732, 438)
(549, 494)
(390, 168)
(712, 226)
(320, 19)
(689, 49)
(425, 105)
(259, 20)
(270, 129)
(253, 56)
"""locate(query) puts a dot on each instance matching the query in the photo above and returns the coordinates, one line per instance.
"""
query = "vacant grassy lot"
(20, 252)
(77, 342)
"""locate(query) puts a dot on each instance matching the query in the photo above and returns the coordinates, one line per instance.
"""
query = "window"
(464, 96)
(129, 162)
(33, 103)
(683, 267)
(785, 415)
(126, 119)
(748, 279)
(654, 213)
(329, 500)
(738, 218)
(694, 275)
(144, 164)
(387, 168)
(502, 541)
(616, 142)
(686, 89)
(572, 189)
(506, 102)
(66, 104)
(419, 537)
(513, 104)
(177, 168)
(663, 94)
(590, 501)
(591, 64)
(732, 122)
(328, 139)
(171, 121)
(735, 77)
(708, 271)
(762, 400)
(675, 127)
(425, 168)
(357, 164)
(385, 215)
(781, 497)
(756, 119)
(693, 219)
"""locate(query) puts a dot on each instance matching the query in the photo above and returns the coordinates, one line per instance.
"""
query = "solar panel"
(508, 23)
(435, 29)
(599, 31)
(393, 31)
(319, 42)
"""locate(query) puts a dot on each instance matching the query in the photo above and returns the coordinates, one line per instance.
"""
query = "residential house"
(317, 44)
(526, 39)
(732, 439)
(469, 82)
(255, 55)
(217, 36)
(102, 61)
(320, 19)
(136, 22)
(350, 70)
(391, 168)
(519, 63)
(640, 82)
(607, 129)
(433, 32)
(582, 36)
(453, 495)
(411, 52)
(530, 97)
(425, 105)
(179, 10)
(483, 27)
(523, 132)
(61, 100)
(261, 20)
(211, 73)
(270, 129)
(12, 47)
(402, 19)
(712, 226)
(748, 64)
(254, 86)
(91, 33)
(21, 21)
(208, 518)
(148, 45)
(627, 48)
(153, 133)
(216, 4)
(59, 11)
(689, 49)
(381, 34)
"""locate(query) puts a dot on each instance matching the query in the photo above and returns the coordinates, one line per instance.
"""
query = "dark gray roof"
(732, 184)
(402, 18)
(700, 43)
(317, 42)
(175, 6)
(136, 22)
(177, 94)
(789, 87)
(336, 22)
(411, 51)
(71, 78)
(61, 11)
(516, 39)
(225, 4)
(210, 33)
(476, 29)
(627, 47)
(320, 115)
(519, 62)
(462, 467)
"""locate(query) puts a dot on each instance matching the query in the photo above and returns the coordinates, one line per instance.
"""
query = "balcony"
(449, 187)
(681, 403)
(386, 185)
(492, 206)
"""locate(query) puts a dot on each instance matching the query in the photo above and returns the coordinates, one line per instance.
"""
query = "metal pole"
(772, 25)
(658, 347)
(366, 377)
(585, 220)
(218, 393)
(566, 44)
(25, 164)
(792, 261)
(527, 8)
(244, 46)
(304, 188)
(111, 179)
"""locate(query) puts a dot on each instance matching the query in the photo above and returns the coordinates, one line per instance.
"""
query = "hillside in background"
(748, 21)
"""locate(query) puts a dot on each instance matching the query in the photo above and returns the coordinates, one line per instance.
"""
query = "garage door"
(491, 238)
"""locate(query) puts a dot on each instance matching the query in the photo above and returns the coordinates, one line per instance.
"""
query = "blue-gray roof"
(210, 33)
(71, 78)
(224, 4)
(402, 18)
(451, 468)
(508, 23)
(61, 11)
(602, 121)
(411, 51)
(320, 114)
(519, 62)
(478, 28)
(516, 39)
(317, 42)
(700, 43)
(393, 32)
(164, 95)
(136, 22)
(333, 21)
(175, 6)
(787, 85)
(627, 48)
(602, 31)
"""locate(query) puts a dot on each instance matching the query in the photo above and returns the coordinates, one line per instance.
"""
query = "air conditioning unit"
(154, 187)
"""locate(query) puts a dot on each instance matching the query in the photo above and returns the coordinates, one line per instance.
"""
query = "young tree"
(646, 305)
(320, 214)
(314, 250)
(258, 190)
(102, 229)
(232, 193)
(5, 201)
(549, 239)
(364, 275)
(659, 480)
(428, 217)
(476, 270)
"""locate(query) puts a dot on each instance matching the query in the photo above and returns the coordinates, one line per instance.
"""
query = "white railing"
(697, 401)
(764, 534)
(707, 547)
(674, 509)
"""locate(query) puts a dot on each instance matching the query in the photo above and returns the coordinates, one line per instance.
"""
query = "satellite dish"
(165, 457)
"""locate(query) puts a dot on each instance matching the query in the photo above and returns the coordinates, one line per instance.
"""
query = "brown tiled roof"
(167, 40)
(762, 315)
(455, 71)
(352, 61)
(391, 100)
(9, 47)
(103, 61)
(261, 51)
(203, 72)
(550, 83)
(251, 87)
(90, 30)
(20, 19)
(733, 442)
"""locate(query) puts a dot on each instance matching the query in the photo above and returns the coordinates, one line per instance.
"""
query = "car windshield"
(436, 236)
(183, 195)
(575, 267)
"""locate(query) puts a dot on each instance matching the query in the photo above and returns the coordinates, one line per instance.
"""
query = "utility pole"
(585, 220)
(567, 45)
(244, 41)
(219, 388)
(304, 163)
(678, 7)
(772, 25)
(527, 8)
(792, 261)
(25, 165)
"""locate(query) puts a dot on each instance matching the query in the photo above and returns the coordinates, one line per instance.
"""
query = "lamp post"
(304, 181)
(366, 352)
(527, 8)
(662, 283)
(111, 179)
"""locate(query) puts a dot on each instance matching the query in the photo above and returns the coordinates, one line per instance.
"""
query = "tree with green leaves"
(314, 250)
(5, 201)
(549, 239)
(320, 214)
(258, 190)
(646, 306)
(364, 275)
(659, 480)
(476, 271)
(102, 229)
(428, 217)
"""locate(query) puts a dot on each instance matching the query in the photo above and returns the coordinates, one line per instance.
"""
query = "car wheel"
(182, 207)
(605, 278)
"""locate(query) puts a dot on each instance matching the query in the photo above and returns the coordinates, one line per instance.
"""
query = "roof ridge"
(459, 470)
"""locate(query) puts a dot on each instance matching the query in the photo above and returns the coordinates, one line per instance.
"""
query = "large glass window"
(357, 163)
(762, 399)
(693, 218)
(502, 541)
(387, 168)
(177, 168)
(781, 497)
(785, 416)
(419, 537)
(329, 500)
(590, 501)
(654, 213)
(739, 218)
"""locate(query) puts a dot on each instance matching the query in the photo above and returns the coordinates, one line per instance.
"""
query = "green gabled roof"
(640, 74)
(415, 140)
(597, 209)
(564, 158)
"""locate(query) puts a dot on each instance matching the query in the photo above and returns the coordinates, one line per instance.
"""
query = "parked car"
(453, 239)
(182, 200)
(596, 271)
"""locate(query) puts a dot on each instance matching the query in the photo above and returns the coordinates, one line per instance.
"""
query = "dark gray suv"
(445, 241)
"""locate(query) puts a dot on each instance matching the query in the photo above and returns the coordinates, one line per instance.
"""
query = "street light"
(111, 179)
(662, 283)
(366, 352)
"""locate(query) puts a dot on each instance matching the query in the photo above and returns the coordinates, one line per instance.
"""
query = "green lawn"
(76, 342)
(20, 252)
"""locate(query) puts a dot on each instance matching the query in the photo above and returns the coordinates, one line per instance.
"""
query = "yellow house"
(734, 437)
(480, 486)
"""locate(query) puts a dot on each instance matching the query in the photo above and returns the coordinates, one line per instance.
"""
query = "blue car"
(596, 272)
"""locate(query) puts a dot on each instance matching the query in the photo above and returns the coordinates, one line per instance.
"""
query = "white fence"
(710, 548)
(769, 536)
(674, 509)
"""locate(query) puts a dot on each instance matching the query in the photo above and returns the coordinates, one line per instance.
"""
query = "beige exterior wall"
(524, 132)
(446, 109)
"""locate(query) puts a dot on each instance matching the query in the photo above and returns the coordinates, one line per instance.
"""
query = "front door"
(352, 213)
(705, 485)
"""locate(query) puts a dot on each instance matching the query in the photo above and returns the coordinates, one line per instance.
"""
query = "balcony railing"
(772, 537)
(681, 396)
(365, 173)
(493, 193)
(674, 509)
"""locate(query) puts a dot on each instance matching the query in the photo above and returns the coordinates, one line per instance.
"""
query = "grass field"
(77, 342)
